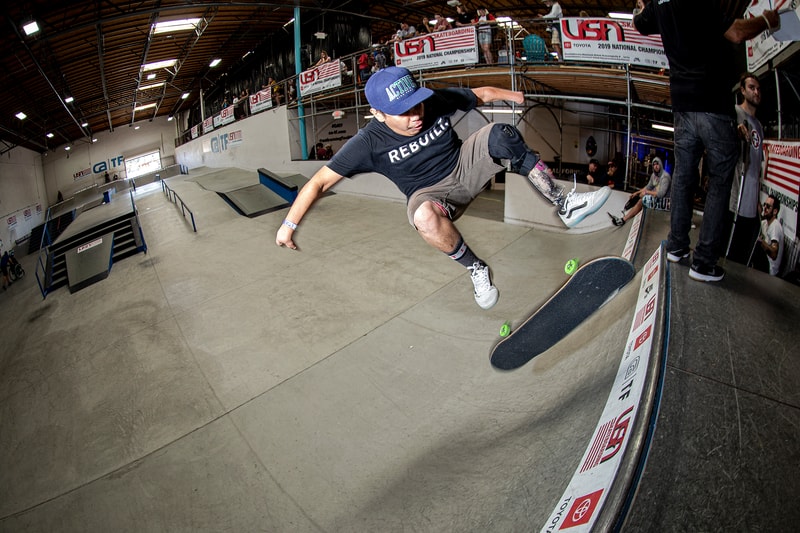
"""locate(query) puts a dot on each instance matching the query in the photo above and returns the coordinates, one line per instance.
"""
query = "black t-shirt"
(702, 61)
(411, 163)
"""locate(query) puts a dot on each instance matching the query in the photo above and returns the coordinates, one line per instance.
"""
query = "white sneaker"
(579, 205)
(486, 294)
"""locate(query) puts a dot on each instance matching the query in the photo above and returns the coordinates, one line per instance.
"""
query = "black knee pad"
(506, 142)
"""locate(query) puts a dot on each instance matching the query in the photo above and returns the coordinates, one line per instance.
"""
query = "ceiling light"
(145, 106)
(136, 127)
(30, 28)
(159, 65)
(84, 124)
(21, 115)
(50, 135)
(623, 16)
(153, 86)
(169, 26)
(151, 76)
(67, 148)
(214, 63)
(169, 118)
(289, 22)
(94, 140)
(69, 99)
(663, 127)
(501, 111)
(184, 96)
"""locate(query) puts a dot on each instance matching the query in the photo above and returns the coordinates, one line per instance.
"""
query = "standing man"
(770, 238)
(555, 15)
(411, 141)
(697, 36)
(742, 223)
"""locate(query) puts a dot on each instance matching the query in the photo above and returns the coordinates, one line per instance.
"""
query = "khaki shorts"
(455, 192)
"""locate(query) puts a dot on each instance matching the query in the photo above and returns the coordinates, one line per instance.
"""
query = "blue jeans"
(698, 134)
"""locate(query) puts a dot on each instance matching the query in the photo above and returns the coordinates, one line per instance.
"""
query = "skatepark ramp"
(86, 250)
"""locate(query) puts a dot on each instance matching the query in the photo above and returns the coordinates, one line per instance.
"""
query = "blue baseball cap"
(394, 91)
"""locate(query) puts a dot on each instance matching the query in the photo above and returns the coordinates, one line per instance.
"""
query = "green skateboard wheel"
(505, 329)
(571, 266)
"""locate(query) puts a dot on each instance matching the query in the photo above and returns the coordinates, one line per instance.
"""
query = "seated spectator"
(405, 32)
(593, 175)
(656, 189)
(612, 179)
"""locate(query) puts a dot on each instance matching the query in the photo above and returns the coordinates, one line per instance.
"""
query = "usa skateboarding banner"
(782, 179)
(582, 502)
(326, 76)
(768, 44)
(458, 46)
(607, 40)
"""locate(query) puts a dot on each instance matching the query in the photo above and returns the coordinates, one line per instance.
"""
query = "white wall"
(23, 198)
(62, 169)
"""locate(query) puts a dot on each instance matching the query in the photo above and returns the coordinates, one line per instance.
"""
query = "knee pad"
(506, 142)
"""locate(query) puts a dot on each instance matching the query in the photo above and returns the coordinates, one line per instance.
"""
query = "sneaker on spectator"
(676, 255)
(486, 294)
(618, 221)
(700, 272)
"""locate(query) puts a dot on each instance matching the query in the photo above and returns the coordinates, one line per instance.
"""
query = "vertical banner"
(782, 179)
(458, 46)
(326, 76)
(194, 132)
(610, 41)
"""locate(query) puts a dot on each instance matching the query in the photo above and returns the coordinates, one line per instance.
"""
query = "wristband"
(289, 224)
(766, 20)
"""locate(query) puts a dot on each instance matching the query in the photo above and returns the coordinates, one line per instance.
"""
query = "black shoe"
(700, 272)
(676, 255)
(617, 220)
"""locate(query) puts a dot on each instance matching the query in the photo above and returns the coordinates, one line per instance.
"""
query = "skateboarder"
(411, 141)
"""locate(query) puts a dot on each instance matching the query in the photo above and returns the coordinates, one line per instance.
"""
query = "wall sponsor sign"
(208, 124)
(458, 46)
(226, 116)
(608, 40)
(316, 79)
(580, 505)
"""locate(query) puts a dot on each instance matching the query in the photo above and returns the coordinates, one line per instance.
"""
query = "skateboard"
(586, 291)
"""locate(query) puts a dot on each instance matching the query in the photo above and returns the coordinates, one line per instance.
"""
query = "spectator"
(697, 37)
(484, 21)
(462, 17)
(323, 58)
(639, 7)
(742, 221)
(656, 189)
(555, 14)
(441, 176)
(770, 240)
(612, 179)
(364, 67)
(442, 23)
(593, 175)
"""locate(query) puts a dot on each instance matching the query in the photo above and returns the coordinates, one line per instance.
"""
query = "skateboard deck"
(591, 286)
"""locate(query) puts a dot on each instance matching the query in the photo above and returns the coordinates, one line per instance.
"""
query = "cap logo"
(401, 87)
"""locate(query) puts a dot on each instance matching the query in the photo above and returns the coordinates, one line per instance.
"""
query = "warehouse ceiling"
(82, 71)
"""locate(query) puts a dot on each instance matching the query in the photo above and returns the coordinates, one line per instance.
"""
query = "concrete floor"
(220, 383)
